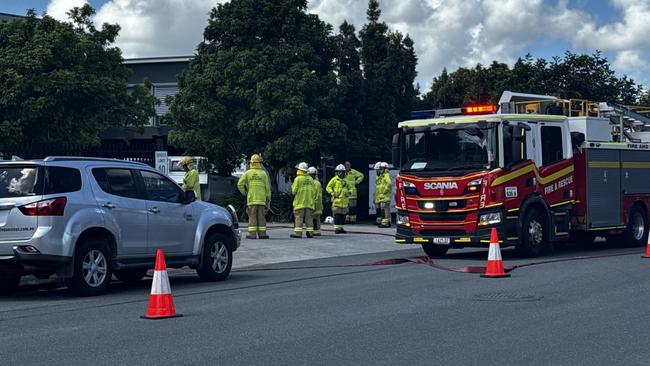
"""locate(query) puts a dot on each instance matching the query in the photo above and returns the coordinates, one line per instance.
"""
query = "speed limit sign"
(162, 163)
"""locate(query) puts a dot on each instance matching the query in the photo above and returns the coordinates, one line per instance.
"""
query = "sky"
(447, 33)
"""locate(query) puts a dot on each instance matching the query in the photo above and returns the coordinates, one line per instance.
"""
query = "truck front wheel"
(535, 238)
(434, 250)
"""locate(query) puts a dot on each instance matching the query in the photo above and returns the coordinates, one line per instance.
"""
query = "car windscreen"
(20, 181)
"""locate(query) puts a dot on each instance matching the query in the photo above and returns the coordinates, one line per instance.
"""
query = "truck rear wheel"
(434, 250)
(535, 237)
(636, 233)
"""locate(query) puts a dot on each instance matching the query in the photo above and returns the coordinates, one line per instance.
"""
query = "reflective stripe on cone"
(494, 268)
(161, 301)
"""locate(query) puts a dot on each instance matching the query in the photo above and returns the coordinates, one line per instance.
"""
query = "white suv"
(86, 219)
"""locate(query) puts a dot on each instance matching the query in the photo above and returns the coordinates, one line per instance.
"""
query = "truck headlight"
(403, 219)
(489, 219)
(473, 186)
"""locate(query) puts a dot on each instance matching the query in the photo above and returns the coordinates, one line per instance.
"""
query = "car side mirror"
(189, 197)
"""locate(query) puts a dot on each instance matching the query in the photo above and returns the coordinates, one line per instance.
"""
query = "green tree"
(262, 81)
(348, 69)
(388, 62)
(571, 76)
(64, 82)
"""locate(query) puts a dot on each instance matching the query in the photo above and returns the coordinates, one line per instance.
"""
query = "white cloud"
(157, 27)
(57, 9)
(447, 33)
(632, 63)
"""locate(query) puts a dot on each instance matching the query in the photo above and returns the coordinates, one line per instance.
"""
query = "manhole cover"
(507, 297)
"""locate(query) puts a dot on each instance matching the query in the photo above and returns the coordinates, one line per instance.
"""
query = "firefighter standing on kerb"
(191, 180)
(304, 196)
(337, 188)
(383, 193)
(318, 203)
(255, 185)
(352, 178)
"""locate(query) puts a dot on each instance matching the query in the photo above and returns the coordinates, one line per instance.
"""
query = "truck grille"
(443, 233)
(443, 216)
(444, 205)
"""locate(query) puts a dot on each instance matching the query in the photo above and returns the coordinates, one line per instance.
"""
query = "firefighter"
(318, 202)
(384, 191)
(377, 168)
(191, 180)
(255, 185)
(337, 188)
(353, 178)
(304, 194)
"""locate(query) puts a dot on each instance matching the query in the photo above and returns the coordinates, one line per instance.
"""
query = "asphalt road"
(589, 308)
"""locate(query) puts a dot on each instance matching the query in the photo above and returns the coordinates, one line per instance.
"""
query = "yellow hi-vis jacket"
(353, 178)
(384, 188)
(191, 183)
(255, 185)
(318, 203)
(304, 191)
(337, 188)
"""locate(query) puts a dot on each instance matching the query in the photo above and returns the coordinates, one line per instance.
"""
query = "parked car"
(86, 219)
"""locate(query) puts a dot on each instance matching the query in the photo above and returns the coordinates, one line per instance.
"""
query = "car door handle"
(108, 205)
(154, 210)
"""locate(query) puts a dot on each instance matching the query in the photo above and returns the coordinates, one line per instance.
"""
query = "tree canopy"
(270, 78)
(64, 82)
(262, 82)
(571, 76)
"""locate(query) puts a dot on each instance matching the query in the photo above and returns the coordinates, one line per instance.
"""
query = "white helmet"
(302, 166)
(312, 170)
(383, 165)
(340, 168)
(329, 220)
(377, 165)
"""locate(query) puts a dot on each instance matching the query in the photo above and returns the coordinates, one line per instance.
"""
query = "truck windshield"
(449, 147)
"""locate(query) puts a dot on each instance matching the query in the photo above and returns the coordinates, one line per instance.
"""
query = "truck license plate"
(443, 241)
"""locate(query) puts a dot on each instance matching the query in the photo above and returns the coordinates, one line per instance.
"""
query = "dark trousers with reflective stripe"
(339, 217)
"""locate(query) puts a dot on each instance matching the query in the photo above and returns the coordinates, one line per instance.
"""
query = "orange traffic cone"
(647, 249)
(161, 303)
(494, 267)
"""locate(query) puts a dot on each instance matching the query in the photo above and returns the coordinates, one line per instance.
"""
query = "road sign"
(162, 163)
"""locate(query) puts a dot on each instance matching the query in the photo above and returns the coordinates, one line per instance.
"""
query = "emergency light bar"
(469, 110)
(480, 109)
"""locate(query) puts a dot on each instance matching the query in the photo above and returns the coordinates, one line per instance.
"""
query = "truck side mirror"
(395, 151)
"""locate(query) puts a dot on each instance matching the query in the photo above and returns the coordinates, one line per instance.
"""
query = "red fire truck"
(537, 168)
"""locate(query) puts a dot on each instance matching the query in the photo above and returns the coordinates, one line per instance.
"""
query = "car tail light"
(51, 207)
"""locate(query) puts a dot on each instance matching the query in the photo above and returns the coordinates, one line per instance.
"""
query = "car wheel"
(9, 279)
(636, 233)
(434, 250)
(535, 237)
(217, 259)
(92, 268)
(130, 275)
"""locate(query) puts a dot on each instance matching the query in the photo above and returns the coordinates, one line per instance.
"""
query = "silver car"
(87, 219)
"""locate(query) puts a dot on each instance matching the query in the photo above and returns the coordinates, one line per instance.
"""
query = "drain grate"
(507, 297)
